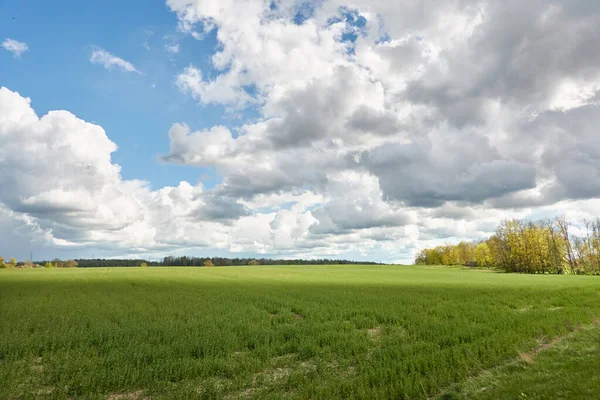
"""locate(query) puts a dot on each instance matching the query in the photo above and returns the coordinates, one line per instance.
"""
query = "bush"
(208, 263)
(144, 265)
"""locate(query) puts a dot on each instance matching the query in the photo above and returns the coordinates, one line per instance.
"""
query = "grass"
(566, 370)
(292, 332)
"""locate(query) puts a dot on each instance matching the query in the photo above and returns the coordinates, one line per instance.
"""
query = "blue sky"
(291, 128)
(57, 74)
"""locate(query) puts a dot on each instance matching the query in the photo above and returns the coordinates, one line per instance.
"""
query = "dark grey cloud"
(368, 120)
(220, 208)
(423, 174)
(339, 217)
(456, 211)
(311, 113)
(564, 147)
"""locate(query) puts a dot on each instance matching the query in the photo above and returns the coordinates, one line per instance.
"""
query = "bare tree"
(563, 228)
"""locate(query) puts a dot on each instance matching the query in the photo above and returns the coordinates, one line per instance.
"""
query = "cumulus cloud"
(61, 189)
(56, 170)
(15, 47)
(354, 202)
(378, 127)
(109, 61)
(223, 90)
(440, 108)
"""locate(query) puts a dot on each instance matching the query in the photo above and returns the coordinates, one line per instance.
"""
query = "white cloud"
(224, 90)
(15, 47)
(61, 189)
(378, 128)
(173, 49)
(432, 105)
(58, 177)
(109, 61)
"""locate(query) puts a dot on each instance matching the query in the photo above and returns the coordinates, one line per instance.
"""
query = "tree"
(533, 247)
(144, 265)
(208, 263)
(482, 255)
(435, 256)
(70, 264)
(12, 263)
(48, 265)
(253, 262)
(421, 258)
(2, 263)
(563, 229)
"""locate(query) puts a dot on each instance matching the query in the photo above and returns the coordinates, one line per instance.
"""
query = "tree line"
(224, 261)
(56, 263)
(548, 246)
(169, 261)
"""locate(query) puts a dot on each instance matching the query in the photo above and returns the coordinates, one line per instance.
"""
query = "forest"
(553, 246)
(170, 261)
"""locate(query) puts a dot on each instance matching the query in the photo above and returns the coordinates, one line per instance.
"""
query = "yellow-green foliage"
(144, 265)
(483, 255)
(529, 247)
(460, 254)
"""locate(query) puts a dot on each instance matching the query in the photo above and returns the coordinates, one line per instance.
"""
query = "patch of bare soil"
(37, 365)
(528, 357)
(137, 395)
(45, 391)
(374, 333)
(281, 368)
(524, 309)
(298, 316)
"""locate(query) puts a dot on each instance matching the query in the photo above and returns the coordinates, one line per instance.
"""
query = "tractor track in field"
(526, 357)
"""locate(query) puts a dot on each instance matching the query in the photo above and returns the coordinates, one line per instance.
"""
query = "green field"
(297, 332)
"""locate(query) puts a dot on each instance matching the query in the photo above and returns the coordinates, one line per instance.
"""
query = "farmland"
(294, 332)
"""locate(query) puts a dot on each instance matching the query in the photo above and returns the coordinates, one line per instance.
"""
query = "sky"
(363, 129)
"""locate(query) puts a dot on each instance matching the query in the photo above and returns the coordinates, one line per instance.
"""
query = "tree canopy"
(526, 246)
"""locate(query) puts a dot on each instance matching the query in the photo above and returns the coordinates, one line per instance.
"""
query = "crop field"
(319, 332)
